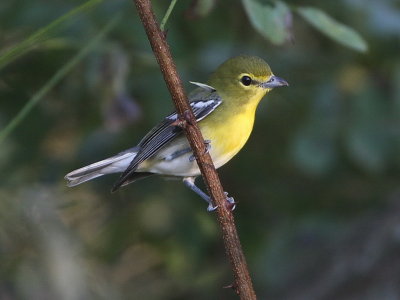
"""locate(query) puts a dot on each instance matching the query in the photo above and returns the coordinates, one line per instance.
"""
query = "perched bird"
(225, 109)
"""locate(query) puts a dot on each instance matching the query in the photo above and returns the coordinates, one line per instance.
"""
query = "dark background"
(317, 183)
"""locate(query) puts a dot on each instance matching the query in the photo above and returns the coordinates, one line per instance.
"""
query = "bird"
(224, 108)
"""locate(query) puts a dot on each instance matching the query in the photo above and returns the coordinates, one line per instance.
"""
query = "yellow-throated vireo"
(225, 109)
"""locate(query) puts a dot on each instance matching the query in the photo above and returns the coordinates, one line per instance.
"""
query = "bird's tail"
(114, 164)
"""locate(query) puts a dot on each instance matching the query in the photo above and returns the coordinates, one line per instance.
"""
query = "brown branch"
(242, 284)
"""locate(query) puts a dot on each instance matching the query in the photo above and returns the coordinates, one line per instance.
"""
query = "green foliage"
(317, 182)
(56, 78)
(43, 34)
(271, 20)
(333, 29)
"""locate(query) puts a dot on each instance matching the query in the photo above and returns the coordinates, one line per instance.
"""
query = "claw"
(230, 286)
(189, 182)
(231, 204)
(186, 117)
(179, 122)
(182, 120)
(207, 143)
(211, 208)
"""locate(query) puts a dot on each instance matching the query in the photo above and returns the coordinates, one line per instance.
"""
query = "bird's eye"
(246, 80)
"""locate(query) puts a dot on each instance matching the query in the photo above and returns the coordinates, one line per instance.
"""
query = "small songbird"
(225, 109)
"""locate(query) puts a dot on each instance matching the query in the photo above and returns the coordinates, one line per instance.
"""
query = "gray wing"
(165, 132)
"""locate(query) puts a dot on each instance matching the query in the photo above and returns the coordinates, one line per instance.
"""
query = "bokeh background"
(317, 183)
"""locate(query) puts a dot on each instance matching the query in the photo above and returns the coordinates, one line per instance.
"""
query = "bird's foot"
(230, 202)
(211, 208)
(182, 120)
(186, 117)
(207, 144)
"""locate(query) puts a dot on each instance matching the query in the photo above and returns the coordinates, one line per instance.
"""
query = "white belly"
(163, 163)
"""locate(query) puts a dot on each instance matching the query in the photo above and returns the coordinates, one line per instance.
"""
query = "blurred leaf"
(42, 34)
(272, 21)
(200, 8)
(333, 29)
(60, 74)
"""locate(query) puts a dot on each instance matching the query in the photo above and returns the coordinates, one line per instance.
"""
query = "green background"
(317, 183)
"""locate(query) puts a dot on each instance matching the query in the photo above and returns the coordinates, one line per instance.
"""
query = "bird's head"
(245, 78)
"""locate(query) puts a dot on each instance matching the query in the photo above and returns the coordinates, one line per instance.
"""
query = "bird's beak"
(274, 81)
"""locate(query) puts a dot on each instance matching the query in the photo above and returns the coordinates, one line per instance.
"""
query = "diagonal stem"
(167, 14)
(242, 284)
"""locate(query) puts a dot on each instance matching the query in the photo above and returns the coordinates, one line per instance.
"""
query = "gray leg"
(189, 182)
(177, 154)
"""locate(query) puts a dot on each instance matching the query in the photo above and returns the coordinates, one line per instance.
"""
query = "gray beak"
(273, 82)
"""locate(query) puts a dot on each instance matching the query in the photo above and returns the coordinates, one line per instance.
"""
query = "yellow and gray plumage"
(225, 109)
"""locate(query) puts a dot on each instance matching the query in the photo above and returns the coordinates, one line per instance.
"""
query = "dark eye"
(246, 80)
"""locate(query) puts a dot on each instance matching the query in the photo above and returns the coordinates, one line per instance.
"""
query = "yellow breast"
(227, 139)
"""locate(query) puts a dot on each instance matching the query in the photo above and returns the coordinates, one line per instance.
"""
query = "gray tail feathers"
(114, 164)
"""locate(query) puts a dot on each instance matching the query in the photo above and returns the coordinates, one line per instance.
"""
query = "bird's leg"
(189, 182)
(177, 154)
(207, 143)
